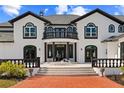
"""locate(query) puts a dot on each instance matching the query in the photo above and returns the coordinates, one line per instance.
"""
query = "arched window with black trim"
(121, 28)
(90, 53)
(111, 28)
(50, 29)
(45, 29)
(30, 31)
(74, 29)
(69, 29)
(30, 52)
(91, 31)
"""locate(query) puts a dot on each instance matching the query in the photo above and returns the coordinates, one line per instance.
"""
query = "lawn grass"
(4, 83)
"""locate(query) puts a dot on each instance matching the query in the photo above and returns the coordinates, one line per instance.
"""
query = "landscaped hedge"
(9, 70)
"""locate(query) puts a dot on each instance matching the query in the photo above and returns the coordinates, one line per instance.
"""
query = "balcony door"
(60, 32)
(90, 53)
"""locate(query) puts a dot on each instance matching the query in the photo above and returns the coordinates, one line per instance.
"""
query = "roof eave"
(101, 12)
(28, 13)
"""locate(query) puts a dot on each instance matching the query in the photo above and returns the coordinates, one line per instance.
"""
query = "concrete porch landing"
(65, 64)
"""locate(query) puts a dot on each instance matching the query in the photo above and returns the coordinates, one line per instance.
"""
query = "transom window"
(90, 31)
(30, 31)
(121, 29)
(111, 28)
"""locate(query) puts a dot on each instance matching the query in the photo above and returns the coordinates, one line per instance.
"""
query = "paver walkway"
(67, 82)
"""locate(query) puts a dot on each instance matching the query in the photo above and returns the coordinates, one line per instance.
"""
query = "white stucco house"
(80, 39)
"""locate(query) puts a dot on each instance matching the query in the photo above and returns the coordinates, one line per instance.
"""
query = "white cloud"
(79, 10)
(61, 9)
(12, 10)
(65, 9)
(120, 10)
(45, 10)
(116, 13)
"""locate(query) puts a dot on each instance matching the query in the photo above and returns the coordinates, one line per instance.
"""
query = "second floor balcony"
(50, 35)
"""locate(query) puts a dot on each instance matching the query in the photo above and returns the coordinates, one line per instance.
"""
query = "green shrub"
(12, 70)
(122, 69)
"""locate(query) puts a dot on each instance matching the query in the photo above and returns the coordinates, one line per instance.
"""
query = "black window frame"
(24, 29)
(70, 29)
(85, 29)
(33, 52)
(113, 28)
(121, 26)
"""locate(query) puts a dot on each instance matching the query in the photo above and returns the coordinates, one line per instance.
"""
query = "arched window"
(91, 31)
(30, 31)
(90, 53)
(111, 28)
(74, 29)
(70, 29)
(45, 29)
(121, 28)
(30, 52)
(50, 29)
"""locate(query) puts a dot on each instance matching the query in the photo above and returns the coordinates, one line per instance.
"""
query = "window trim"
(68, 28)
(110, 31)
(50, 28)
(122, 29)
(29, 37)
(90, 37)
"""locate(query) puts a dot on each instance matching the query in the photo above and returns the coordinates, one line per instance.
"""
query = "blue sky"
(8, 12)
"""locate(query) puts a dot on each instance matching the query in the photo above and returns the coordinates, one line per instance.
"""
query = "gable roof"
(101, 12)
(61, 19)
(29, 13)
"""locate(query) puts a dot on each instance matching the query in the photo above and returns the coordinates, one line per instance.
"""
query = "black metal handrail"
(28, 63)
(72, 35)
(108, 62)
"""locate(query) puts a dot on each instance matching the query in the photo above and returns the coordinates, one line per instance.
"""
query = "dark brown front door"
(90, 53)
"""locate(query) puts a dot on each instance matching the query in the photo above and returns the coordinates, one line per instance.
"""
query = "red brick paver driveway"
(67, 82)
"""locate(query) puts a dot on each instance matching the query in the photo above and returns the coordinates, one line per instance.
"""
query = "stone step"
(66, 71)
(66, 68)
(84, 74)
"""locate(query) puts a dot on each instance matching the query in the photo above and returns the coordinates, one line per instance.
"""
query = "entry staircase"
(66, 69)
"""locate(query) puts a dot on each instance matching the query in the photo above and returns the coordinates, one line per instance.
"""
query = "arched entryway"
(90, 53)
(30, 52)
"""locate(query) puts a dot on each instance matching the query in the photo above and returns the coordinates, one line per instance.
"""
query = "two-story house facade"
(58, 37)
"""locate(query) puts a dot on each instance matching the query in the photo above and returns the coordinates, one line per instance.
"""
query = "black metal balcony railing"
(72, 35)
